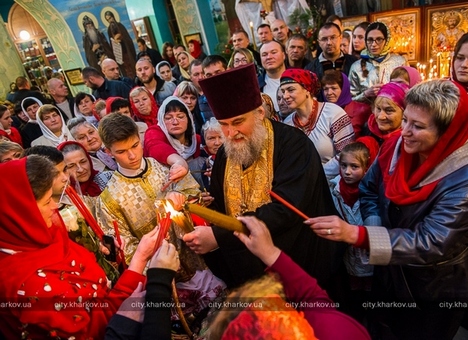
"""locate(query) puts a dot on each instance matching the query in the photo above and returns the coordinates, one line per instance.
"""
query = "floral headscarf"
(380, 26)
(305, 78)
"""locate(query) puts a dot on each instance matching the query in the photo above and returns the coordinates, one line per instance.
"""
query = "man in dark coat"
(260, 155)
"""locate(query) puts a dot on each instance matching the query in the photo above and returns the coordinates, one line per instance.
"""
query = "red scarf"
(400, 185)
(349, 192)
(89, 187)
(197, 50)
(151, 119)
(374, 128)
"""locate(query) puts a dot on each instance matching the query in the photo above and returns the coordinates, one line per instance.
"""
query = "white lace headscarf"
(65, 134)
(184, 151)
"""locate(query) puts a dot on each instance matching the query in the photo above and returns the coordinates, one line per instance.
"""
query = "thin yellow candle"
(218, 219)
(253, 36)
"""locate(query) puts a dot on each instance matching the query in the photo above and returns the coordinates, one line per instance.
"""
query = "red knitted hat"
(232, 93)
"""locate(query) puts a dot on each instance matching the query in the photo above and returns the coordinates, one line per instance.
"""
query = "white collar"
(131, 172)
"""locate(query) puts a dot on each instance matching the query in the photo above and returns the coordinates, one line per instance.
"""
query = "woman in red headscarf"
(196, 50)
(79, 164)
(144, 106)
(50, 287)
(327, 125)
(387, 116)
(415, 211)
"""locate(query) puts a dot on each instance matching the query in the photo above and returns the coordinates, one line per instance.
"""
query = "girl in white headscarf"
(53, 127)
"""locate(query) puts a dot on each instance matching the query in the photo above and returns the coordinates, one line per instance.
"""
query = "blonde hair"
(266, 285)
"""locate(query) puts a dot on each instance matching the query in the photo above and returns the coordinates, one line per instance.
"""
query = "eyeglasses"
(240, 61)
(332, 39)
(169, 119)
(378, 41)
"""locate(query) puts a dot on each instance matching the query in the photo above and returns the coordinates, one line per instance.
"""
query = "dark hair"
(119, 103)
(164, 48)
(178, 45)
(27, 102)
(41, 174)
(297, 36)
(332, 77)
(21, 81)
(214, 59)
(463, 40)
(141, 41)
(377, 25)
(362, 25)
(116, 127)
(359, 151)
(51, 153)
(241, 31)
(264, 25)
(109, 13)
(332, 18)
(89, 71)
(174, 106)
(82, 95)
(194, 62)
(3, 109)
(329, 25)
(18, 108)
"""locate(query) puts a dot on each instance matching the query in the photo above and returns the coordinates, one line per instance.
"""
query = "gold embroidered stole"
(250, 188)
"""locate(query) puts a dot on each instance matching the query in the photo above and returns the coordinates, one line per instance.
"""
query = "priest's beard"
(247, 151)
(92, 35)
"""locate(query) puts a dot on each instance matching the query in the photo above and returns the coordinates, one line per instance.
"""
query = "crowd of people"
(371, 160)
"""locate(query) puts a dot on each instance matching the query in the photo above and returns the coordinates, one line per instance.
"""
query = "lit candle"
(218, 219)
(253, 36)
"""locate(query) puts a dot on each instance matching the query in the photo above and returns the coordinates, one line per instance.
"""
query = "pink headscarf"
(395, 92)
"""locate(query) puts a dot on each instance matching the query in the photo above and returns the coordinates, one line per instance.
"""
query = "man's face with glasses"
(375, 42)
(330, 40)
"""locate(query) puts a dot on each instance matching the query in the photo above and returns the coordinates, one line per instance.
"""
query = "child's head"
(405, 74)
(356, 158)
(120, 105)
(119, 135)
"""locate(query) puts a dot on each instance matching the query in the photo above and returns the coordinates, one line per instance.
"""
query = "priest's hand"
(201, 240)
(259, 241)
(334, 228)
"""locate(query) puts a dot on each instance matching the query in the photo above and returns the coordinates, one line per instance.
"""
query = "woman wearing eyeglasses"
(368, 74)
(243, 56)
(175, 130)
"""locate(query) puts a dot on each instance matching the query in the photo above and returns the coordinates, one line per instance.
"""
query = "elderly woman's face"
(213, 141)
(176, 123)
(375, 42)
(88, 136)
(78, 165)
(142, 102)
(419, 132)
(183, 61)
(294, 95)
(283, 107)
(460, 64)
(332, 92)
(387, 115)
